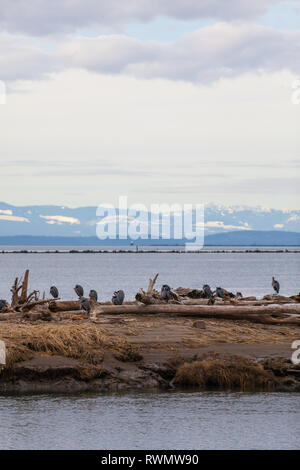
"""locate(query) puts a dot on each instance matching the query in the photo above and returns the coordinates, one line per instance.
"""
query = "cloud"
(218, 51)
(13, 218)
(59, 219)
(278, 226)
(142, 126)
(41, 17)
(19, 60)
(206, 55)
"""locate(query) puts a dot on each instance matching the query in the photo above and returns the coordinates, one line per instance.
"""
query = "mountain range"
(223, 224)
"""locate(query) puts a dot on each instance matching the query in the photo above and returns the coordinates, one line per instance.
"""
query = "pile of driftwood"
(271, 310)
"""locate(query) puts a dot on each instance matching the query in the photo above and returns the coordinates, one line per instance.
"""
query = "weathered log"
(134, 308)
(238, 302)
(65, 305)
(11, 316)
(190, 293)
(17, 285)
(149, 297)
(277, 298)
(259, 314)
(267, 319)
(23, 296)
(151, 284)
(19, 301)
(74, 305)
(29, 305)
(146, 299)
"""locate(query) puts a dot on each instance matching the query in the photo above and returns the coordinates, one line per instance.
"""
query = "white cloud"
(178, 135)
(14, 218)
(41, 17)
(219, 51)
(278, 226)
(19, 59)
(60, 219)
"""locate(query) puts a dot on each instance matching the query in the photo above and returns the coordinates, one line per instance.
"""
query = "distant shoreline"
(150, 251)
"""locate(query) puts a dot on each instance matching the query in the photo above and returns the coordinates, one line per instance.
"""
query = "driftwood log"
(23, 302)
(153, 296)
(266, 319)
(272, 309)
(267, 314)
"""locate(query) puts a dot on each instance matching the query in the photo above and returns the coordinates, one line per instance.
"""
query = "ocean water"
(165, 420)
(161, 420)
(249, 273)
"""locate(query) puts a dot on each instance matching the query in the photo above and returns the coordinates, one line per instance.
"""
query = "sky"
(168, 101)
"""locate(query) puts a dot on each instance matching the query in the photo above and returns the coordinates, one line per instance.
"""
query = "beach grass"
(85, 342)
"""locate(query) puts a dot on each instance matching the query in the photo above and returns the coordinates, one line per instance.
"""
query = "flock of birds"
(209, 294)
(166, 295)
(85, 304)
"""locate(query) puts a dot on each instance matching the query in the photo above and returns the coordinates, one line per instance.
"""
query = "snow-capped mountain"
(64, 221)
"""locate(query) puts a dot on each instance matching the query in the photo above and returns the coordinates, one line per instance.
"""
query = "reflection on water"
(169, 420)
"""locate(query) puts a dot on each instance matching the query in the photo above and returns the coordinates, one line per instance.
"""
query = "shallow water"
(249, 273)
(169, 420)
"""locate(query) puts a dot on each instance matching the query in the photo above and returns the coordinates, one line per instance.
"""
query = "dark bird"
(2, 304)
(85, 305)
(239, 295)
(118, 297)
(79, 290)
(220, 292)
(93, 295)
(54, 292)
(276, 285)
(207, 291)
(166, 293)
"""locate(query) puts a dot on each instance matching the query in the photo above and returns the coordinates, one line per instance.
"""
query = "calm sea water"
(172, 420)
(249, 273)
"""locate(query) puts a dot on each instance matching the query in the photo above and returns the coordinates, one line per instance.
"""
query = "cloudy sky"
(163, 101)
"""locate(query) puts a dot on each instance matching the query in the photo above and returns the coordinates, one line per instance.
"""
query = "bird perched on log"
(166, 293)
(207, 291)
(220, 292)
(93, 295)
(118, 297)
(79, 290)
(2, 304)
(239, 295)
(275, 285)
(54, 292)
(85, 305)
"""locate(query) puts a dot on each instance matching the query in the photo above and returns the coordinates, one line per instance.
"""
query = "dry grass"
(84, 342)
(226, 373)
